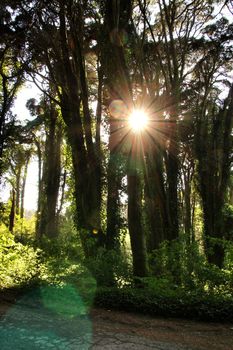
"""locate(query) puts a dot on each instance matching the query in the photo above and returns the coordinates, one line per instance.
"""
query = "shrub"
(192, 305)
(185, 266)
(109, 267)
(19, 263)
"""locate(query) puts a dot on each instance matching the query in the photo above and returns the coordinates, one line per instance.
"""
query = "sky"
(28, 91)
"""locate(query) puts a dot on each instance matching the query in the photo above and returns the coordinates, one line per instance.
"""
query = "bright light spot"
(138, 120)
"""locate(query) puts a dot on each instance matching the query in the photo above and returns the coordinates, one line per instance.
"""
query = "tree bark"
(137, 239)
(12, 212)
(24, 185)
(18, 188)
(155, 200)
(113, 203)
(39, 200)
(51, 175)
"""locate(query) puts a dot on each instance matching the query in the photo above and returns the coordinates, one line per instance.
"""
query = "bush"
(109, 267)
(185, 266)
(193, 305)
(24, 229)
(228, 221)
(19, 263)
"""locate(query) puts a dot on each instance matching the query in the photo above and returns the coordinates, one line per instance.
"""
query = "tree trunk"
(86, 190)
(74, 97)
(18, 189)
(113, 204)
(12, 213)
(51, 176)
(172, 196)
(155, 200)
(214, 151)
(38, 213)
(137, 238)
(63, 185)
(214, 250)
(114, 177)
(23, 186)
(188, 213)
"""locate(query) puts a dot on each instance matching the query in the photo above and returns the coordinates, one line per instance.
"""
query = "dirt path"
(191, 334)
(28, 322)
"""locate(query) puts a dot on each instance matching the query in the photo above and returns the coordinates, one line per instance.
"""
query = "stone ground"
(34, 322)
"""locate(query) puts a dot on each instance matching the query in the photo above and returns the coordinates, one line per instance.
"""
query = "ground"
(186, 333)
(33, 321)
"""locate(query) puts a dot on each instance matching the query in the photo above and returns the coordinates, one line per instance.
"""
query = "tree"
(213, 147)
(213, 139)
(58, 40)
(13, 63)
(17, 158)
(117, 17)
(49, 120)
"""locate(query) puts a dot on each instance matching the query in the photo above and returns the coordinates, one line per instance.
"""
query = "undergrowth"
(197, 290)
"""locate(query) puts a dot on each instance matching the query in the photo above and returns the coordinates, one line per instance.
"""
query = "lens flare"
(117, 109)
(138, 120)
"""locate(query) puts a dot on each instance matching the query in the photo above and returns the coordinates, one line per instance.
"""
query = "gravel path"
(23, 328)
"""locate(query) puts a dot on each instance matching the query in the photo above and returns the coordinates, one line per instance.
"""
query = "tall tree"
(51, 172)
(13, 63)
(214, 152)
(213, 128)
(48, 121)
(59, 40)
(117, 18)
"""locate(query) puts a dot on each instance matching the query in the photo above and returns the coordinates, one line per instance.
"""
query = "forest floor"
(28, 323)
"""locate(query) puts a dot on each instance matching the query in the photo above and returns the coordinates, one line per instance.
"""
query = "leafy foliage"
(176, 259)
(20, 264)
(177, 303)
(110, 267)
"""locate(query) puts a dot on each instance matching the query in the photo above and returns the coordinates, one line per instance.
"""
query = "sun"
(138, 120)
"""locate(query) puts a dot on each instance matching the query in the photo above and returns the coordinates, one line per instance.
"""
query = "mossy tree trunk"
(51, 174)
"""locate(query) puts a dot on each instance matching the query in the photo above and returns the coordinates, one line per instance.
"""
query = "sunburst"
(138, 120)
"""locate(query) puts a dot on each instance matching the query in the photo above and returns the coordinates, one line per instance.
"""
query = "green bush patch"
(187, 305)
